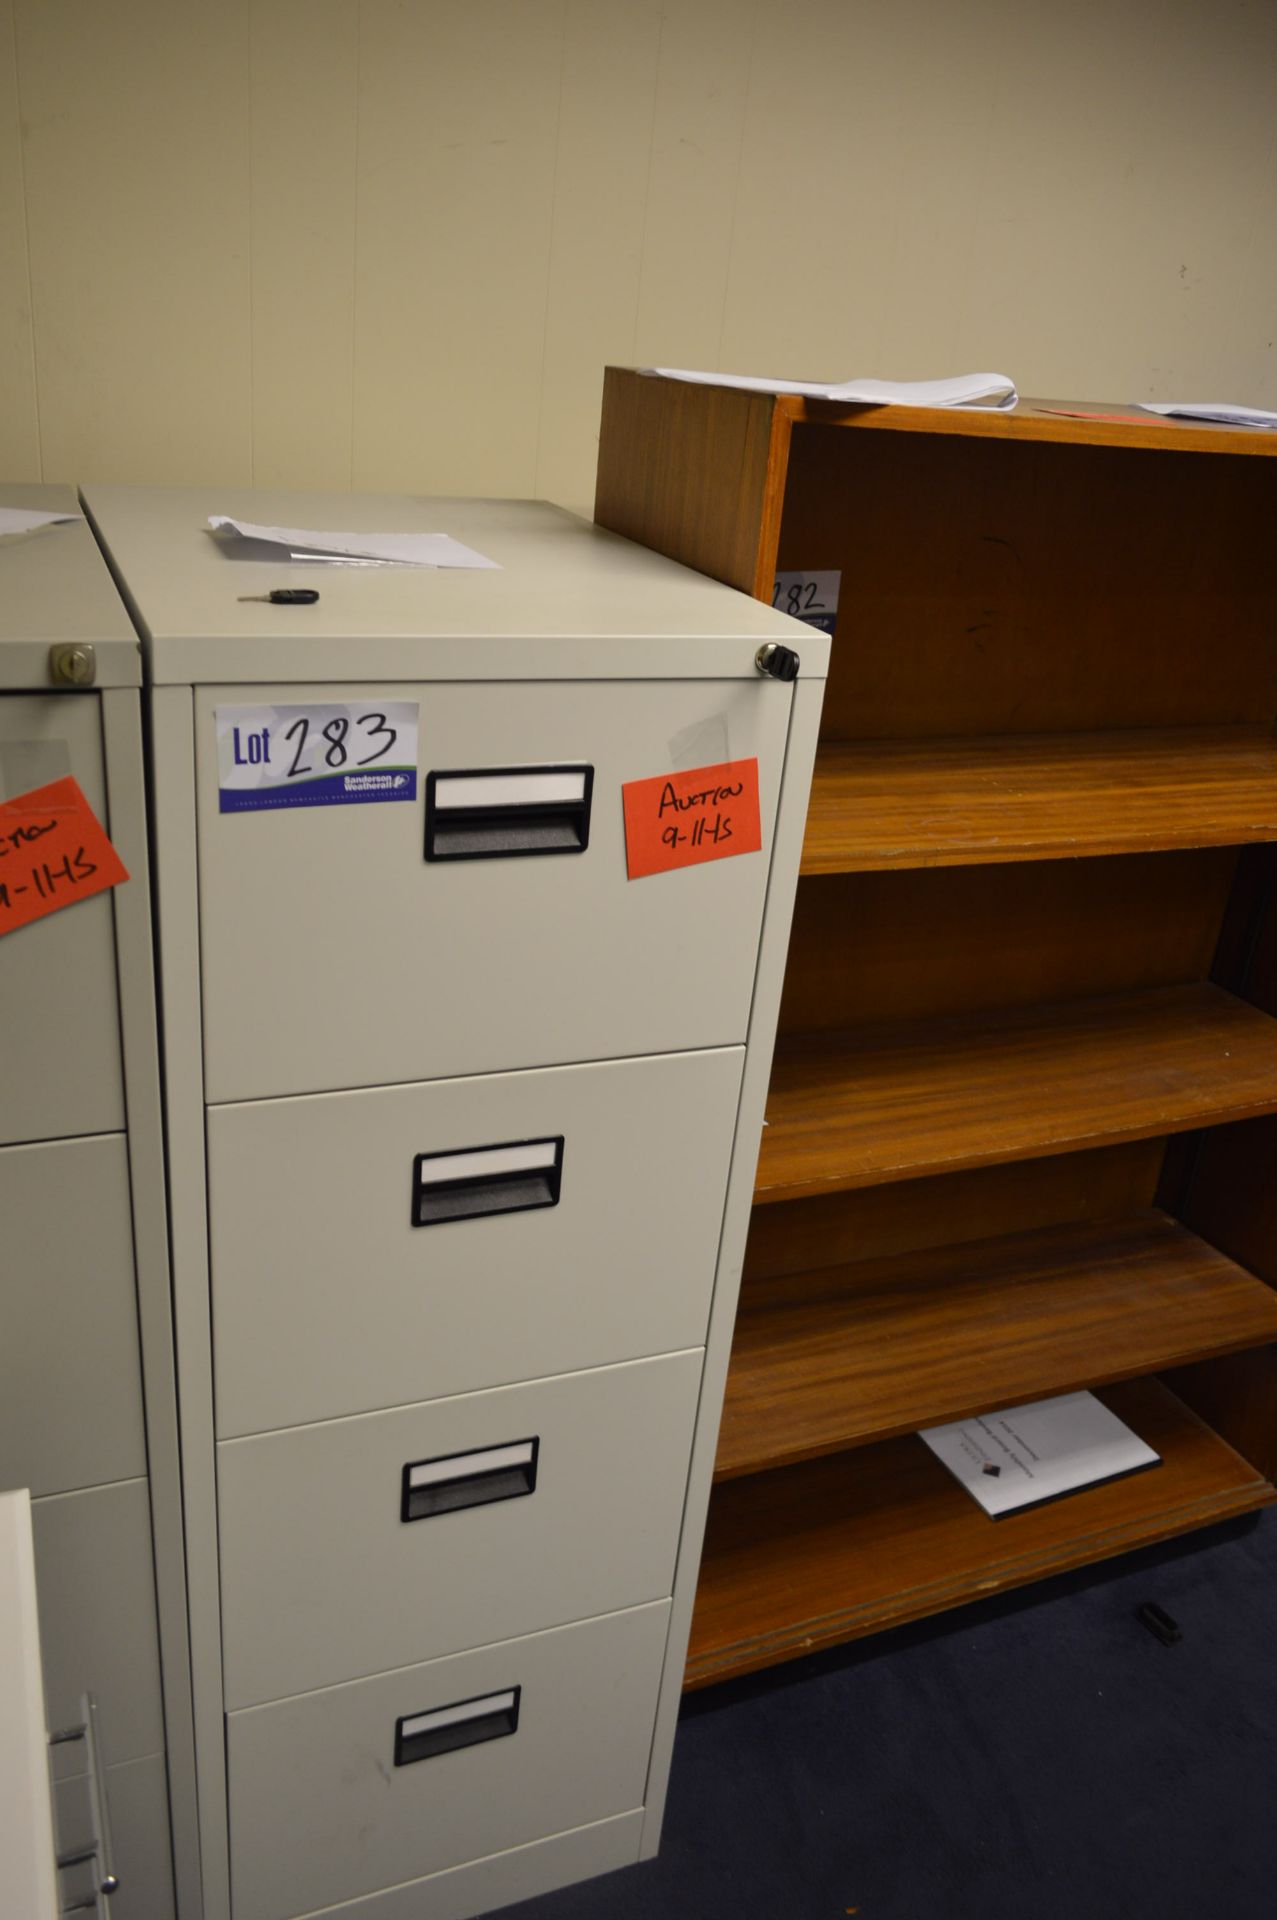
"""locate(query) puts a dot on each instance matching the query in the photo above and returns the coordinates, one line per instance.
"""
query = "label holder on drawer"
(508, 813)
(471, 1183)
(455, 1481)
(466, 1723)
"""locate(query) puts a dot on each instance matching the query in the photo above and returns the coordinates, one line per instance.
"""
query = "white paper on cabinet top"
(967, 390)
(1222, 411)
(27, 519)
(344, 548)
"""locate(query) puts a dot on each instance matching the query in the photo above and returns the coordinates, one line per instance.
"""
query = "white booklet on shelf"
(1024, 1456)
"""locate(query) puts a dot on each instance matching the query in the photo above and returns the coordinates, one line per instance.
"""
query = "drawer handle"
(472, 1479)
(466, 1183)
(467, 1723)
(500, 813)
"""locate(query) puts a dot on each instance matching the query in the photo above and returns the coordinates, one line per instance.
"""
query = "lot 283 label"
(327, 755)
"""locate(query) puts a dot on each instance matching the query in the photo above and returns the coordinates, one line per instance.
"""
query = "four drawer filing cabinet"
(87, 1411)
(462, 1124)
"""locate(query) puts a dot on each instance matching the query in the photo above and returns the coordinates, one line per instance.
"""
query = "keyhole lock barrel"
(73, 666)
(782, 663)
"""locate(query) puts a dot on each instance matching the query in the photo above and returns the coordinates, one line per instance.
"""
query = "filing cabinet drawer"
(70, 1383)
(62, 1072)
(336, 955)
(501, 1879)
(329, 1299)
(96, 1590)
(460, 1523)
(379, 1781)
(137, 1803)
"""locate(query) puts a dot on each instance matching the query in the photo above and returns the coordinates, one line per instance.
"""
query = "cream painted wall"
(392, 243)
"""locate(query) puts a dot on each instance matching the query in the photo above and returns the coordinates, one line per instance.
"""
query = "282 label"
(800, 597)
(810, 596)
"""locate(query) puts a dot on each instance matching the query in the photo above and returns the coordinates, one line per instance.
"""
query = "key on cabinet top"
(56, 591)
(570, 600)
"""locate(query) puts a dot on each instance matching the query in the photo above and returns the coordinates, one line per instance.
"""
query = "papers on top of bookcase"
(1023, 1456)
(1221, 411)
(967, 390)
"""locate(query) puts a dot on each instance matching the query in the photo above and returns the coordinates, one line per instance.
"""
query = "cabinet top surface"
(55, 587)
(568, 600)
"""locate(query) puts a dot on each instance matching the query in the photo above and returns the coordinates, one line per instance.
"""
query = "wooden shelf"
(811, 1556)
(1091, 423)
(850, 1354)
(856, 1110)
(879, 804)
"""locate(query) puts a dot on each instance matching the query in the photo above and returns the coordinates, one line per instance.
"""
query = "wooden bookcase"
(1022, 1131)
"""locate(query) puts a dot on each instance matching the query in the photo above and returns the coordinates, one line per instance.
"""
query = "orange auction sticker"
(53, 852)
(683, 819)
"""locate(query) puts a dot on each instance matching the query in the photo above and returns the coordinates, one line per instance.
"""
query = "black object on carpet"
(1038, 1757)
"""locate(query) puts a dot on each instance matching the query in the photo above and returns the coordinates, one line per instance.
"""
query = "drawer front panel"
(543, 1866)
(62, 1072)
(328, 1299)
(70, 1383)
(96, 1591)
(321, 1813)
(335, 954)
(137, 1805)
(568, 1500)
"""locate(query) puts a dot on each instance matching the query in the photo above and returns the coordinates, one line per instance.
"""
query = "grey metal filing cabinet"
(87, 1405)
(461, 1144)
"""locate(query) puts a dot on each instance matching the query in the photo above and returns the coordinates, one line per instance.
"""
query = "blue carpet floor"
(1041, 1757)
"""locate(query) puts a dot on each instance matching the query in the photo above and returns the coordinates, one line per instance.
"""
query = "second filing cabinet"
(462, 1127)
(87, 1408)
